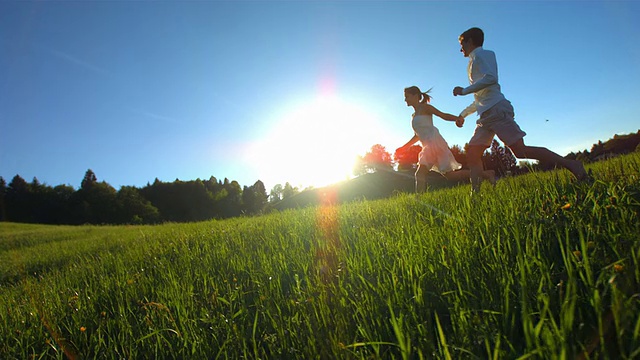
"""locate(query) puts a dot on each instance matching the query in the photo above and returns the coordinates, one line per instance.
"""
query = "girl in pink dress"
(435, 154)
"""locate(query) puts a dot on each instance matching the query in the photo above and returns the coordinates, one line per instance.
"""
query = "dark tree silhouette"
(254, 198)
(95, 202)
(500, 159)
(509, 161)
(181, 201)
(18, 200)
(44, 205)
(61, 209)
(98, 203)
(231, 204)
(135, 209)
(88, 180)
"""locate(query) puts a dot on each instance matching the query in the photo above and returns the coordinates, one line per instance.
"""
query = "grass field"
(536, 267)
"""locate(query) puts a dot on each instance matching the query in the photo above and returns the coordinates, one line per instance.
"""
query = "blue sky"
(290, 91)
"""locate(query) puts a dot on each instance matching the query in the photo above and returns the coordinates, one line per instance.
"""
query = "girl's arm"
(413, 140)
(446, 116)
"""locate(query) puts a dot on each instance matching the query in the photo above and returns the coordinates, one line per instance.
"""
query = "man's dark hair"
(475, 34)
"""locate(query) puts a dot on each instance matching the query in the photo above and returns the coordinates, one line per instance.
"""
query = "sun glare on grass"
(316, 143)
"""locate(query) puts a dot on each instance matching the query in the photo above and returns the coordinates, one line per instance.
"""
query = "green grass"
(536, 267)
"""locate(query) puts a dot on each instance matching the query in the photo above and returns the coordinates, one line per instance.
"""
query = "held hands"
(458, 91)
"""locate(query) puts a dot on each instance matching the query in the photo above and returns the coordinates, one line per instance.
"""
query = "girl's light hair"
(414, 90)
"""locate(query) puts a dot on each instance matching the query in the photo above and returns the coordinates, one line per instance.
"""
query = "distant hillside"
(369, 186)
(618, 145)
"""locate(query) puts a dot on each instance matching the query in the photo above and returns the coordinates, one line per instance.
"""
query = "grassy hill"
(536, 267)
(371, 186)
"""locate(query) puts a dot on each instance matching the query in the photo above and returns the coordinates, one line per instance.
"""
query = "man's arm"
(485, 64)
(469, 110)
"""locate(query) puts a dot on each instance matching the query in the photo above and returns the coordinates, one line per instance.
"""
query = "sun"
(316, 143)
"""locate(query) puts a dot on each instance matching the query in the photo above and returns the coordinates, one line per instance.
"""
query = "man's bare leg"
(520, 150)
(474, 157)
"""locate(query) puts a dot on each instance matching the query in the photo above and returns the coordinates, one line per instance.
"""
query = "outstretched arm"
(446, 116)
(413, 140)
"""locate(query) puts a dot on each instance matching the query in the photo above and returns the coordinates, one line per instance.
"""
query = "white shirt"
(483, 77)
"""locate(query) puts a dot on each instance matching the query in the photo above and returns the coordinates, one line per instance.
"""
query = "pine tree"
(89, 179)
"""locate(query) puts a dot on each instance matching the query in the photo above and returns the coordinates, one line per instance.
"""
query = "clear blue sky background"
(140, 90)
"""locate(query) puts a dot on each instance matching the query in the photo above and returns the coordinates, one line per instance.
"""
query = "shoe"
(587, 178)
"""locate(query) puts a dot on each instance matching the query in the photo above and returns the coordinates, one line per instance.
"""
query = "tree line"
(97, 202)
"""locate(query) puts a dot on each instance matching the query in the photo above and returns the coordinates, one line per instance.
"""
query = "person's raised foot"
(491, 177)
(577, 169)
(587, 179)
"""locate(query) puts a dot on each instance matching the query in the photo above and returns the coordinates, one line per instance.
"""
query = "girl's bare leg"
(421, 178)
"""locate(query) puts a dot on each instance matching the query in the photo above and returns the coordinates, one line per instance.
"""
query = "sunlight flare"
(315, 143)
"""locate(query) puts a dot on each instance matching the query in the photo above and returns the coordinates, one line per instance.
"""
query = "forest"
(97, 202)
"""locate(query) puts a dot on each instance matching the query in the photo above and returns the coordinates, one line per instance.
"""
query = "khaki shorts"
(497, 120)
